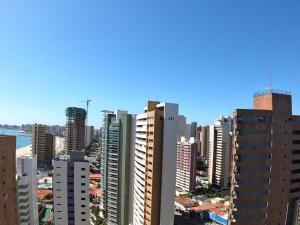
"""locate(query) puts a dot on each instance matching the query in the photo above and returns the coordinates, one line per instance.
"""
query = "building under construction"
(75, 129)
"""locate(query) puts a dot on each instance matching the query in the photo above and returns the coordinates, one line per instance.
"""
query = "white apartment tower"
(71, 189)
(27, 191)
(155, 164)
(219, 158)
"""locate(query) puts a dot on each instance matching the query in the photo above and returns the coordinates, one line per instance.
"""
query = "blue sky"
(209, 56)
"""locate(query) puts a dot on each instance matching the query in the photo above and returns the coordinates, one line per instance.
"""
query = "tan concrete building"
(155, 164)
(266, 162)
(8, 202)
(43, 145)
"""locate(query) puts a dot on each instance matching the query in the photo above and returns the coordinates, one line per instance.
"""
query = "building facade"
(43, 145)
(155, 164)
(204, 142)
(220, 151)
(27, 191)
(194, 129)
(75, 129)
(117, 154)
(8, 185)
(186, 164)
(89, 135)
(71, 178)
(266, 162)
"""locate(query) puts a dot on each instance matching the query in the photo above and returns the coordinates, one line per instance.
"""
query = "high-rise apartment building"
(75, 129)
(155, 164)
(186, 164)
(220, 150)
(71, 178)
(43, 146)
(8, 187)
(27, 191)
(182, 130)
(89, 135)
(204, 142)
(194, 129)
(266, 162)
(117, 164)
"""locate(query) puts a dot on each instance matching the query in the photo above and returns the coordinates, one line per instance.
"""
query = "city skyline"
(203, 53)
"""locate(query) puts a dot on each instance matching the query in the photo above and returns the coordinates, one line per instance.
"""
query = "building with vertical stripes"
(155, 164)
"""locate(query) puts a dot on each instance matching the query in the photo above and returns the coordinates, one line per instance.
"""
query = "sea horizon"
(22, 139)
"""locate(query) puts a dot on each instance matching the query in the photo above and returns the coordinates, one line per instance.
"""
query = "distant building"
(117, 164)
(75, 129)
(194, 129)
(71, 189)
(89, 135)
(56, 130)
(181, 126)
(204, 142)
(155, 164)
(8, 186)
(220, 150)
(266, 162)
(27, 191)
(43, 145)
(186, 164)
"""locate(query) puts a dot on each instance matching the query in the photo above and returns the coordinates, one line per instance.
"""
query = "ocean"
(23, 139)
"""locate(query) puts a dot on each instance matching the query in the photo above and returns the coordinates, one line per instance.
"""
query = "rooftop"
(272, 91)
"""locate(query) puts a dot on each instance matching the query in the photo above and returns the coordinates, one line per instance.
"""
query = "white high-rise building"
(71, 179)
(186, 164)
(155, 164)
(219, 158)
(27, 191)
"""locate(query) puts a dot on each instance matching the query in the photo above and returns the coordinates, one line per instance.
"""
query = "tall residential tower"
(155, 164)
(27, 191)
(71, 179)
(220, 151)
(117, 163)
(8, 186)
(266, 162)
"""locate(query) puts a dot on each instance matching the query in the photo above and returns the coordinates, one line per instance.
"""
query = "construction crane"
(87, 101)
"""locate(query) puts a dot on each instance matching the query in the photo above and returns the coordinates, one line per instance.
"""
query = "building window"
(295, 171)
(296, 161)
(296, 152)
(296, 142)
(296, 132)
(82, 191)
(82, 169)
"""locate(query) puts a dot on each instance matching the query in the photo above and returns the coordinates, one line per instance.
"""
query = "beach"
(24, 151)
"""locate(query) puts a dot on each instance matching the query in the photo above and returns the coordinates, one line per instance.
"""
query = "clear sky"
(209, 56)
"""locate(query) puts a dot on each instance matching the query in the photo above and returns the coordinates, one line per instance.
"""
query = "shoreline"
(27, 150)
(23, 151)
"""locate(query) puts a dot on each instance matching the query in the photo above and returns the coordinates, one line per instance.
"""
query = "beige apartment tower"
(43, 146)
(8, 205)
(155, 164)
(266, 162)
